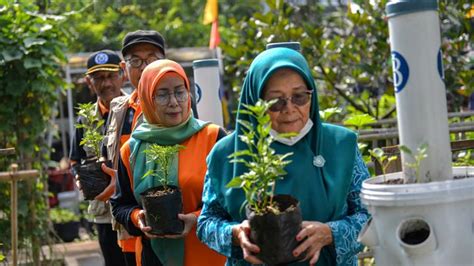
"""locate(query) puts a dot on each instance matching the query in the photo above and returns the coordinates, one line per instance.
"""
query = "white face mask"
(291, 141)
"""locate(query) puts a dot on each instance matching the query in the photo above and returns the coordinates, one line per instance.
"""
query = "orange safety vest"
(191, 172)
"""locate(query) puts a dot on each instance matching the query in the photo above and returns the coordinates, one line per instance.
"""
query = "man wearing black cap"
(105, 77)
(140, 48)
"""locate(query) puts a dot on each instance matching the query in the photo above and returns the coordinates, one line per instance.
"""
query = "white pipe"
(368, 235)
(70, 105)
(207, 84)
(420, 92)
(426, 236)
(291, 45)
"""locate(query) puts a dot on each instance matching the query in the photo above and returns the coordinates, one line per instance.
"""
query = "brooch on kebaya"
(319, 161)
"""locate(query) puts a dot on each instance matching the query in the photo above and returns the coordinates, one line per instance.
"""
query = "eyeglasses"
(164, 98)
(298, 99)
(137, 62)
(102, 78)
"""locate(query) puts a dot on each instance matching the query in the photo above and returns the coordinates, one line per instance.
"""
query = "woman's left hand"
(315, 235)
(189, 221)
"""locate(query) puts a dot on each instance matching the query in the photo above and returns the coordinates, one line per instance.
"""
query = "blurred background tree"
(348, 48)
(346, 44)
(32, 50)
(103, 24)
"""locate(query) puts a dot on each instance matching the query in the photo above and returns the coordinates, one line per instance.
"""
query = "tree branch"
(341, 92)
(389, 113)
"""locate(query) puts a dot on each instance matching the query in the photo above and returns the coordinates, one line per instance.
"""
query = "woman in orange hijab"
(164, 96)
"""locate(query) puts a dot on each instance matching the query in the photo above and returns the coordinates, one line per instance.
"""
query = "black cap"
(104, 60)
(143, 36)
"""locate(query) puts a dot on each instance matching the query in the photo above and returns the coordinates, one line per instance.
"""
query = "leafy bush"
(60, 215)
(32, 49)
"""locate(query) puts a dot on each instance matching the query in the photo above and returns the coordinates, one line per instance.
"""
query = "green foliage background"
(349, 51)
(32, 48)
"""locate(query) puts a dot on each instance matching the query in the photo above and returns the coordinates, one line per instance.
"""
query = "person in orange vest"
(105, 78)
(165, 99)
(139, 48)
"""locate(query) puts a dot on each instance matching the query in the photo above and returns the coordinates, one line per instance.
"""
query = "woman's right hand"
(240, 237)
(142, 225)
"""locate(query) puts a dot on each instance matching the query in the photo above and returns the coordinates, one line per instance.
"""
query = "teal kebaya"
(325, 173)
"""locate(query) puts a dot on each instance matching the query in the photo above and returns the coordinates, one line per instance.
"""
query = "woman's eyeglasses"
(164, 98)
(299, 99)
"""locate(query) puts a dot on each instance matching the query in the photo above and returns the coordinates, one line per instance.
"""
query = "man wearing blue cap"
(105, 77)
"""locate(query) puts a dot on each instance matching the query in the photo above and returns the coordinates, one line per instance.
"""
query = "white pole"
(207, 83)
(70, 106)
(292, 45)
(419, 87)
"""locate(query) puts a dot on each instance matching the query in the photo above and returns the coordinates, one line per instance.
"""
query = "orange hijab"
(150, 78)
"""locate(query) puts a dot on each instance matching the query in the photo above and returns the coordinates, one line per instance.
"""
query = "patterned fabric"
(215, 227)
(345, 231)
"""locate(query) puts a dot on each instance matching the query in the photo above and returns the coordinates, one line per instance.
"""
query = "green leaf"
(392, 158)
(33, 41)
(423, 147)
(377, 152)
(10, 55)
(328, 112)
(242, 153)
(236, 182)
(246, 124)
(406, 150)
(31, 63)
(149, 172)
(359, 120)
(361, 145)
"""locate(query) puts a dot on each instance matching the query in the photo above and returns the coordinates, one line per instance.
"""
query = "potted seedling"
(91, 177)
(415, 163)
(162, 203)
(65, 223)
(382, 159)
(275, 220)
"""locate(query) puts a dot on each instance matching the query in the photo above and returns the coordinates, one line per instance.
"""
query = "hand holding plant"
(241, 236)
(110, 189)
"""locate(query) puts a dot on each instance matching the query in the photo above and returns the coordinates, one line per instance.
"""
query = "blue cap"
(401, 7)
(104, 60)
(292, 45)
